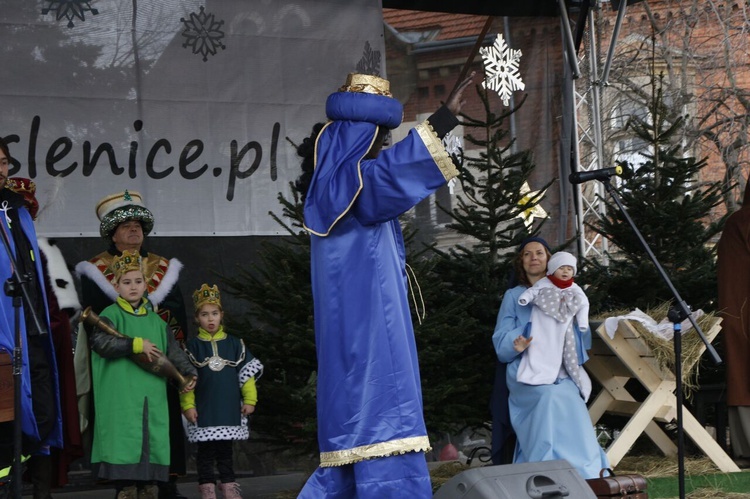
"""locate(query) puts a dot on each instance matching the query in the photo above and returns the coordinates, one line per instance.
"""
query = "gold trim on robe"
(436, 149)
(371, 451)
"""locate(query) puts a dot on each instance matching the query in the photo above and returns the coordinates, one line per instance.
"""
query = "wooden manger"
(613, 362)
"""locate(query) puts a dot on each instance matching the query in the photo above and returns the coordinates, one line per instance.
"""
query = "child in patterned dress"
(223, 398)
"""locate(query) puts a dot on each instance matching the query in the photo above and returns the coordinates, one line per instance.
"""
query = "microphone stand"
(15, 287)
(678, 312)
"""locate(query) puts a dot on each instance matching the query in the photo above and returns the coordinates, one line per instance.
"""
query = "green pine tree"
(669, 207)
(465, 284)
(278, 329)
(447, 361)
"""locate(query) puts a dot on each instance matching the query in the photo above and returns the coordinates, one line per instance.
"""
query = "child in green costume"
(131, 429)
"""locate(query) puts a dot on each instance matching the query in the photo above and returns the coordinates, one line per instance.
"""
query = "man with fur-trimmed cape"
(124, 223)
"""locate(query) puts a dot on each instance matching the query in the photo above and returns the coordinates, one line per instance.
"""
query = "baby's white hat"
(559, 259)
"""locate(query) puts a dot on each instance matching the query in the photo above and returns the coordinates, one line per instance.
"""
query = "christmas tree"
(669, 206)
(278, 326)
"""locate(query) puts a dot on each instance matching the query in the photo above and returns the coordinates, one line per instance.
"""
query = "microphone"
(601, 174)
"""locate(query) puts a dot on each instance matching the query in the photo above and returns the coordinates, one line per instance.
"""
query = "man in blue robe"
(40, 417)
(371, 428)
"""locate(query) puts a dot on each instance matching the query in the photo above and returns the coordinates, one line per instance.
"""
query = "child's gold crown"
(129, 260)
(206, 295)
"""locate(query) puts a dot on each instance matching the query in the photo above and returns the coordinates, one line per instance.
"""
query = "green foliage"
(448, 361)
(278, 329)
(670, 209)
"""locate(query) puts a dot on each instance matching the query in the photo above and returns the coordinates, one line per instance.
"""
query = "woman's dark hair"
(4, 148)
(306, 150)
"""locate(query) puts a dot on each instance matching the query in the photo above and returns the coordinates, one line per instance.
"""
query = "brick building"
(703, 49)
(425, 53)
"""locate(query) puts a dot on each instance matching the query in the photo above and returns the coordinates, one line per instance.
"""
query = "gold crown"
(367, 84)
(20, 185)
(129, 260)
(206, 295)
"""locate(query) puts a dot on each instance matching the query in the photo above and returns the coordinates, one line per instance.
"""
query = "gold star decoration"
(536, 211)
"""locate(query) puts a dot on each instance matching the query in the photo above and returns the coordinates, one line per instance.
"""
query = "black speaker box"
(548, 480)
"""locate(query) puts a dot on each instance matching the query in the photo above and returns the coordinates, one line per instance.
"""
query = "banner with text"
(193, 104)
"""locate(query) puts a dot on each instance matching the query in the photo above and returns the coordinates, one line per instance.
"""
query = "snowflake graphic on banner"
(501, 69)
(69, 9)
(202, 33)
(369, 64)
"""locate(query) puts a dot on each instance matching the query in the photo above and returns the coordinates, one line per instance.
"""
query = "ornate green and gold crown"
(116, 208)
(129, 260)
(207, 295)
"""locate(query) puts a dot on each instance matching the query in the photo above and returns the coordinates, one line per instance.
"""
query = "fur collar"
(61, 280)
(157, 296)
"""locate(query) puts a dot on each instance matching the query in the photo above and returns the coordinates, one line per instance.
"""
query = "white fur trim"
(209, 433)
(167, 283)
(90, 270)
(169, 280)
(250, 370)
(61, 280)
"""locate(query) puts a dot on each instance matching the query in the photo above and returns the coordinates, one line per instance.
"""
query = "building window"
(628, 147)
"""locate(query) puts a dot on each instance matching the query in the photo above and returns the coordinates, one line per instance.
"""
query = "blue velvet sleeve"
(398, 179)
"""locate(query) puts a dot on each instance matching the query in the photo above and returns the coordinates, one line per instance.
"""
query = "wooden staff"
(474, 52)
(159, 365)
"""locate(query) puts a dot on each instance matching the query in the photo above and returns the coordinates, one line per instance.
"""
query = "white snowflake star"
(536, 211)
(453, 144)
(501, 69)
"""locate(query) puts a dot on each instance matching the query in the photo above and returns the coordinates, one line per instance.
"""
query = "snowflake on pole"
(501, 69)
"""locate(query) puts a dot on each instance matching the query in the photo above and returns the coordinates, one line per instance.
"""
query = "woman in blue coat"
(551, 421)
